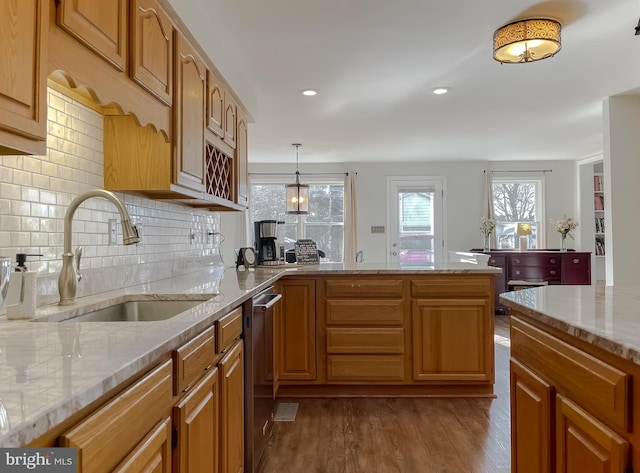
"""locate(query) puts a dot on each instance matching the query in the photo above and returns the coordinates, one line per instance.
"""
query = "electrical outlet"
(113, 231)
(192, 236)
(377, 229)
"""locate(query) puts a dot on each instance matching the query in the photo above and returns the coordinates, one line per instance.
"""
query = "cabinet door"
(531, 421)
(298, 331)
(576, 268)
(23, 81)
(242, 167)
(106, 437)
(188, 110)
(215, 104)
(585, 445)
(152, 455)
(230, 116)
(232, 411)
(152, 48)
(452, 340)
(102, 26)
(196, 419)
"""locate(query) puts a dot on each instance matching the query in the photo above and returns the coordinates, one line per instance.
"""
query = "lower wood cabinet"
(153, 454)
(452, 340)
(570, 409)
(232, 410)
(125, 433)
(197, 421)
(297, 330)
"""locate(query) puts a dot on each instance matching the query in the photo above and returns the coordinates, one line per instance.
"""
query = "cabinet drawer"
(365, 368)
(107, 436)
(364, 287)
(498, 261)
(365, 340)
(453, 286)
(193, 359)
(533, 273)
(546, 261)
(369, 312)
(594, 384)
(228, 328)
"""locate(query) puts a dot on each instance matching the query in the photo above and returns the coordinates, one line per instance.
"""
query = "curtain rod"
(525, 170)
(302, 173)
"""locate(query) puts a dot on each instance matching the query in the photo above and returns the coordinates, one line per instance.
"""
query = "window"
(514, 201)
(324, 224)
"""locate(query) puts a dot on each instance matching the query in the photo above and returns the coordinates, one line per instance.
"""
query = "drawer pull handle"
(186, 388)
(552, 260)
(208, 367)
(552, 272)
(576, 260)
(517, 272)
(516, 260)
(224, 350)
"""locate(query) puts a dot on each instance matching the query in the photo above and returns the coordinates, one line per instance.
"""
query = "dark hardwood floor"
(399, 435)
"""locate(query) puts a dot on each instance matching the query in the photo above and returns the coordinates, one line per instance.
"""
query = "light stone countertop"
(605, 316)
(50, 370)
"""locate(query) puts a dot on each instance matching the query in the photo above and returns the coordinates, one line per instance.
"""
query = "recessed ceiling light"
(440, 90)
(309, 92)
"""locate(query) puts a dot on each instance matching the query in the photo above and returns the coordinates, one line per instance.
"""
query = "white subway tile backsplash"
(35, 192)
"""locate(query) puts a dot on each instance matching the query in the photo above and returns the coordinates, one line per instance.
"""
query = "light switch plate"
(377, 229)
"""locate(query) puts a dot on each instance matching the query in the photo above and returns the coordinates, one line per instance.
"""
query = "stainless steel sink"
(137, 311)
(132, 309)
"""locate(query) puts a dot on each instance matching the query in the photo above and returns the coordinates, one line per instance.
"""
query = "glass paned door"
(415, 235)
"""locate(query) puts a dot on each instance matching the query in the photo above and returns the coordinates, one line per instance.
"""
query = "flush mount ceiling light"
(297, 193)
(440, 90)
(527, 40)
(309, 92)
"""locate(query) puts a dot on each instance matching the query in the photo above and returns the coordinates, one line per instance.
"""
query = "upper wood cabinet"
(189, 115)
(102, 26)
(23, 55)
(152, 48)
(215, 104)
(230, 116)
(242, 160)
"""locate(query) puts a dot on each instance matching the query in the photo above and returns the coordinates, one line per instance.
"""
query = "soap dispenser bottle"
(26, 308)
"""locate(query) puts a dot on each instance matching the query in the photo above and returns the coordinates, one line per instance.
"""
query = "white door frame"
(394, 183)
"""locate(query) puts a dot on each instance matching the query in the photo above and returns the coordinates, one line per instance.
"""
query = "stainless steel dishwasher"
(259, 398)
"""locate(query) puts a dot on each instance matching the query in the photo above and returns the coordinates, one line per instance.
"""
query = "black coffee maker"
(266, 243)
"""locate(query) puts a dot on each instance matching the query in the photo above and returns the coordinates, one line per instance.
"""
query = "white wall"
(463, 181)
(622, 192)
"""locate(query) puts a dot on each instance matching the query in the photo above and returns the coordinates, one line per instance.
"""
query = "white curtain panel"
(350, 218)
(487, 198)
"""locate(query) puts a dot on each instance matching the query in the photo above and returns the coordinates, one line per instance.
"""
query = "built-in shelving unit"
(599, 216)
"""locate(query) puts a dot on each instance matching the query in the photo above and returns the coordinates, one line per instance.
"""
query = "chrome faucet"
(69, 275)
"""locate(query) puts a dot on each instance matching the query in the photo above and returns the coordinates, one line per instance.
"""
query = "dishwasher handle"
(273, 298)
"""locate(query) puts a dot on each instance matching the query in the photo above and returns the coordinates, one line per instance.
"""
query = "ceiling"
(376, 62)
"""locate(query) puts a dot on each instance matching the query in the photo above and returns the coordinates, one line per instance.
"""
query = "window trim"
(540, 202)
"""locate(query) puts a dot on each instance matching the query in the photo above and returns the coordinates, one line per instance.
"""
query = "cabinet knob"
(516, 260)
(576, 260)
(552, 260)
(552, 272)
(207, 368)
(517, 272)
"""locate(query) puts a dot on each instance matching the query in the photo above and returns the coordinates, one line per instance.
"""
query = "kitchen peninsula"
(376, 330)
(575, 357)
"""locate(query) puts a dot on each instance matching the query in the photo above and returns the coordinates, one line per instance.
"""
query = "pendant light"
(297, 193)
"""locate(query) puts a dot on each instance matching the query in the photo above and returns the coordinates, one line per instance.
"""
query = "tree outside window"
(324, 224)
(515, 201)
